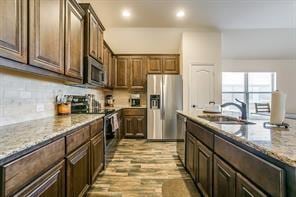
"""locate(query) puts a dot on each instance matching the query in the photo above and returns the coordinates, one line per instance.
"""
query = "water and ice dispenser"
(155, 101)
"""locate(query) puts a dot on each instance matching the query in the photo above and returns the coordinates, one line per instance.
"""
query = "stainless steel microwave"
(94, 73)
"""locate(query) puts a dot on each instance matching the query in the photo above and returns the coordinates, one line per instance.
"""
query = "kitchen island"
(249, 158)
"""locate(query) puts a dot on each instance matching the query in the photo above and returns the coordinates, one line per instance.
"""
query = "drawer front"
(206, 137)
(264, 174)
(96, 127)
(21, 171)
(77, 138)
(134, 112)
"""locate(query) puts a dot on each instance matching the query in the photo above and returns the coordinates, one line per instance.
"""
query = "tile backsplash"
(23, 97)
(122, 97)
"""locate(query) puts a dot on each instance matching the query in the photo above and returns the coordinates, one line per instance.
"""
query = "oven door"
(94, 73)
(111, 139)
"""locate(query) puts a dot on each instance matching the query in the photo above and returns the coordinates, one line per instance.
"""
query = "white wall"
(200, 48)
(285, 69)
(145, 40)
(259, 44)
(20, 94)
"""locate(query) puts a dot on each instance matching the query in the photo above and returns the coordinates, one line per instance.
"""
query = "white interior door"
(201, 87)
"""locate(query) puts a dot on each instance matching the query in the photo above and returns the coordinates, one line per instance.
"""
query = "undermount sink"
(218, 119)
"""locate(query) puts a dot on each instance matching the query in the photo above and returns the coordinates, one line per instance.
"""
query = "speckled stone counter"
(21, 138)
(278, 143)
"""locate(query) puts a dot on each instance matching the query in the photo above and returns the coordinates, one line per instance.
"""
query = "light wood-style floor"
(141, 168)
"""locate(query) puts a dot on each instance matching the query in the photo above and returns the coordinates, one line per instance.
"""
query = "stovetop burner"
(96, 111)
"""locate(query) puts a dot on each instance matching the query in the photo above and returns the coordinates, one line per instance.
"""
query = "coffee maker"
(109, 101)
(135, 100)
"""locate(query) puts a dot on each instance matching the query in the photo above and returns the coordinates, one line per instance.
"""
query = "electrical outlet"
(39, 107)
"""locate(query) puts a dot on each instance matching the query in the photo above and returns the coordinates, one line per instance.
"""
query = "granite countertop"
(278, 143)
(119, 107)
(21, 138)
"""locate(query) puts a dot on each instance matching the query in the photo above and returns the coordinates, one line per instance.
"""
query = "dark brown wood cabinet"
(246, 188)
(134, 121)
(93, 34)
(170, 65)
(154, 64)
(163, 64)
(224, 179)
(51, 183)
(108, 66)
(47, 34)
(137, 70)
(97, 155)
(190, 154)
(204, 169)
(74, 40)
(121, 72)
(13, 30)
(78, 171)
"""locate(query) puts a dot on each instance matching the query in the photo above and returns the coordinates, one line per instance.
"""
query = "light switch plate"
(39, 107)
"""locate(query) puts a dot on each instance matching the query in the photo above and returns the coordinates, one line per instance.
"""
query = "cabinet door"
(154, 64)
(204, 169)
(170, 65)
(93, 36)
(190, 154)
(224, 179)
(100, 45)
(121, 72)
(74, 40)
(106, 62)
(51, 183)
(128, 126)
(47, 34)
(97, 155)
(78, 171)
(140, 126)
(247, 189)
(110, 70)
(13, 29)
(137, 73)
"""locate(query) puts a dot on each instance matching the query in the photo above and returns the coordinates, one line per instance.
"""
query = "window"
(251, 88)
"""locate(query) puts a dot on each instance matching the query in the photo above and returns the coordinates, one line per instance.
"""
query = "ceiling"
(218, 14)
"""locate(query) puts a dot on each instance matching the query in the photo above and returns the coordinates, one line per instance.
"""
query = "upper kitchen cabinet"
(74, 40)
(170, 65)
(93, 29)
(121, 72)
(154, 64)
(13, 29)
(163, 64)
(46, 27)
(137, 66)
(108, 65)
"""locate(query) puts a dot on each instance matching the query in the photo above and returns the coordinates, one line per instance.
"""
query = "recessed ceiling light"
(180, 14)
(126, 13)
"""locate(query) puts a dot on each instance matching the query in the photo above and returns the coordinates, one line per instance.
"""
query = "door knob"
(193, 106)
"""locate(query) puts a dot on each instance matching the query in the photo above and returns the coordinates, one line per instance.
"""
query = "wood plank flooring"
(141, 168)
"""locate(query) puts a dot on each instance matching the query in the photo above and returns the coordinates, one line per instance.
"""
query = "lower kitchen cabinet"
(134, 121)
(246, 188)
(134, 126)
(97, 155)
(51, 183)
(224, 179)
(190, 154)
(204, 170)
(78, 171)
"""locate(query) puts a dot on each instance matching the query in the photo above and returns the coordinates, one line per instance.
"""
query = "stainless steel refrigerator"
(164, 97)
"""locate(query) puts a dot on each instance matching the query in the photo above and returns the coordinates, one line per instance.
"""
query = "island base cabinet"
(224, 179)
(51, 183)
(247, 189)
(78, 171)
(204, 170)
(190, 155)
